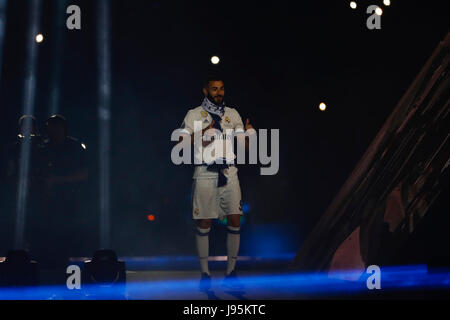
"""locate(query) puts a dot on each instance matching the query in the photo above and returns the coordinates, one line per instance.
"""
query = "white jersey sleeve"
(237, 121)
(187, 126)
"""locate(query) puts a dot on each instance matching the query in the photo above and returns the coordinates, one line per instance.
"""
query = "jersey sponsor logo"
(196, 211)
(227, 119)
(204, 114)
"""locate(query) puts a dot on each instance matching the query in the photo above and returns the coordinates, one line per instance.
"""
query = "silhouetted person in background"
(60, 233)
(27, 132)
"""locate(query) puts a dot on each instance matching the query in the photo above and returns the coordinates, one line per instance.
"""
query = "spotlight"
(387, 3)
(353, 5)
(18, 269)
(105, 269)
(215, 60)
(322, 106)
(379, 11)
(39, 38)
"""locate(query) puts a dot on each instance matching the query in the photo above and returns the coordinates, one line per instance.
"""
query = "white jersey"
(231, 120)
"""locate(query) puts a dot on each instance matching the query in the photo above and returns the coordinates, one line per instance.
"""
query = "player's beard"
(210, 98)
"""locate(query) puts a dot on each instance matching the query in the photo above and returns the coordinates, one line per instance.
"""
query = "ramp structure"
(397, 180)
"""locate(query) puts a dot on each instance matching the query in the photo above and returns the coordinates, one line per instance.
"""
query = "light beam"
(28, 108)
(104, 116)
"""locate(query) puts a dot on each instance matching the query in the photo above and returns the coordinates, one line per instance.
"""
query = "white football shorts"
(212, 202)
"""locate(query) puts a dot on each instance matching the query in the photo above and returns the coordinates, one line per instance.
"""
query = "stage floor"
(263, 278)
(183, 285)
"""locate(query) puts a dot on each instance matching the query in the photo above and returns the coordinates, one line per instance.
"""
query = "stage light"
(215, 60)
(83, 146)
(151, 217)
(353, 5)
(39, 38)
(104, 270)
(18, 269)
(378, 11)
(322, 106)
(387, 3)
(398, 280)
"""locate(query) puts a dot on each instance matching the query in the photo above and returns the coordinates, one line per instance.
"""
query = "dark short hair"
(26, 117)
(27, 120)
(212, 78)
(57, 119)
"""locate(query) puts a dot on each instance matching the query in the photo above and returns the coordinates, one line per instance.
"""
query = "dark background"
(280, 59)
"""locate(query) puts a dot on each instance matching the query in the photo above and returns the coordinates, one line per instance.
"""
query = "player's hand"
(209, 127)
(248, 125)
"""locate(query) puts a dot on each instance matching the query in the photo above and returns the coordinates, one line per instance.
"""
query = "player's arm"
(242, 130)
(248, 127)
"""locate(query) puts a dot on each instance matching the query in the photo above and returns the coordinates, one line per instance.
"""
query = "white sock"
(233, 239)
(202, 239)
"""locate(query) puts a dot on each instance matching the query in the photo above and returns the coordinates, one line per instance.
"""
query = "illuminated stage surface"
(177, 278)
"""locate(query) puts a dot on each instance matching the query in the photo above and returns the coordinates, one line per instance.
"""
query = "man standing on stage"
(216, 189)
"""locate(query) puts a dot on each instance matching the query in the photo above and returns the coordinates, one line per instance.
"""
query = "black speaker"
(104, 269)
(19, 270)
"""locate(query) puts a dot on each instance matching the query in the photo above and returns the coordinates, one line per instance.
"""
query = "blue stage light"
(393, 279)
